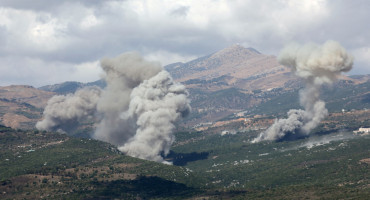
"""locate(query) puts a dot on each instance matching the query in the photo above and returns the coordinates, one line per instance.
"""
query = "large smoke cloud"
(155, 105)
(122, 75)
(136, 110)
(316, 65)
(64, 113)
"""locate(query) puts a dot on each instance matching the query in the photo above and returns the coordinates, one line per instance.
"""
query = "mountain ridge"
(21, 105)
(71, 86)
(238, 77)
(243, 68)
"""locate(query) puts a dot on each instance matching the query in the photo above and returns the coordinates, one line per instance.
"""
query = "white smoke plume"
(63, 113)
(316, 65)
(122, 75)
(137, 109)
(155, 105)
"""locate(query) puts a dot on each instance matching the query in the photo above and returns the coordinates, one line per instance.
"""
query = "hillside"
(238, 79)
(70, 86)
(40, 165)
(21, 106)
(212, 156)
(231, 81)
(333, 165)
(211, 106)
(241, 68)
(235, 66)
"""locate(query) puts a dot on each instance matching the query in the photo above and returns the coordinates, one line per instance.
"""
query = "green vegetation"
(43, 164)
(279, 169)
(340, 96)
(28, 115)
(346, 96)
(227, 98)
(37, 164)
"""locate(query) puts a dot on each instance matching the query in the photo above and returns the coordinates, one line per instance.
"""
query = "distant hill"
(71, 86)
(343, 95)
(332, 164)
(62, 88)
(237, 78)
(242, 68)
(232, 80)
(21, 106)
(235, 66)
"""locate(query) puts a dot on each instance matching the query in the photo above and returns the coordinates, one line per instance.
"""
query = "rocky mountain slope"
(333, 164)
(21, 106)
(242, 68)
(232, 80)
(235, 66)
(236, 79)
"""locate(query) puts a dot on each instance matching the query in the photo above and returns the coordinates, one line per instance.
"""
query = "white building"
(226, 132)
(364, 131)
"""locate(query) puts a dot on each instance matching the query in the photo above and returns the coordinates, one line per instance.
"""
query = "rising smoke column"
(155, 105)
(64, 112)
(316, 65)
(139, 106)
(122, 74)
(136, 110)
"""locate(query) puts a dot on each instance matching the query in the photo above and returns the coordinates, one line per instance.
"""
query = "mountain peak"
(253, 50)
(236, 49)
(235, 46)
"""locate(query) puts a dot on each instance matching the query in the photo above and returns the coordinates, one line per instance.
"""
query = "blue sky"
(46, 42)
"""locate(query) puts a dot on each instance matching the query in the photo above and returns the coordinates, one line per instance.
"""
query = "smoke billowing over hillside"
(316, 65)
(135, 111)
(64, 112)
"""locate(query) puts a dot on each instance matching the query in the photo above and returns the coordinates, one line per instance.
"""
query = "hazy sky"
(46, 42)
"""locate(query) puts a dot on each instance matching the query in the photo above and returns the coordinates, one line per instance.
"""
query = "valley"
(235, 94)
